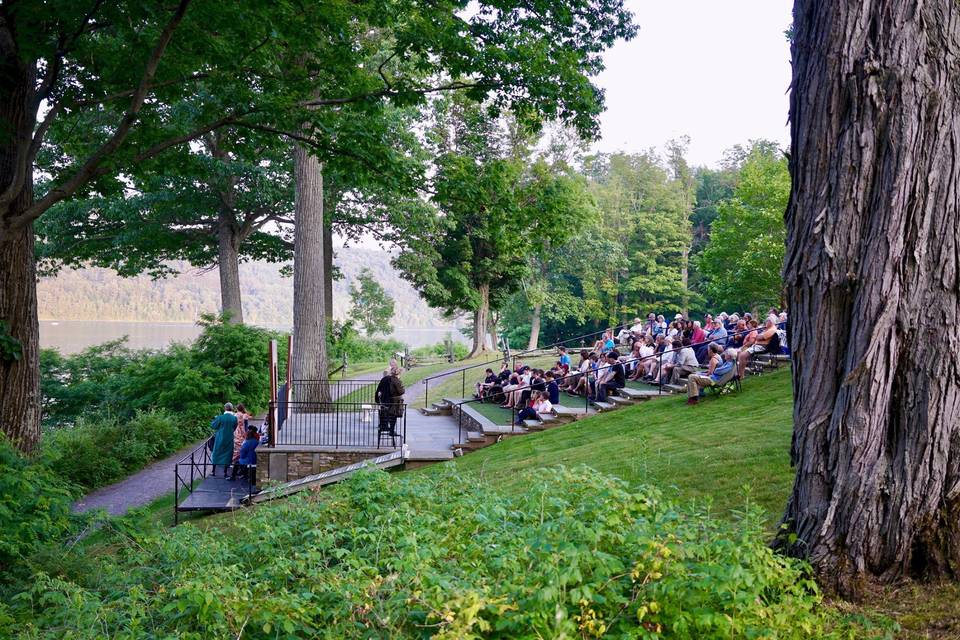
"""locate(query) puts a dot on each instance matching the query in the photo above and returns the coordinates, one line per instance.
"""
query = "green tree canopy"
(742, 261)
(371, 307)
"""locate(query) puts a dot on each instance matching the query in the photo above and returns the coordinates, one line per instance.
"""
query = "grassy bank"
(721, 450)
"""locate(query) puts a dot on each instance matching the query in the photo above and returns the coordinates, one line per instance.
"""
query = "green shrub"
(99, 451)
(578, 555)
(34, 508)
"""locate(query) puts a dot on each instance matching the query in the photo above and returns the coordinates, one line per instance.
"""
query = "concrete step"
(476, 436)
(604, 406)
(430, 411)
(563, 411)
(674, 388)
(436, 455)
(621, 400)
(637, 394)
(534, 425)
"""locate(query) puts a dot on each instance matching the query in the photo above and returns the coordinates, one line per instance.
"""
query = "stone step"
(604, 406)
(534, 425)
(476, 436)
(621, 400)
(637, 394)
(430, 411)
(563, 411)
(674, 388)
(418, 455)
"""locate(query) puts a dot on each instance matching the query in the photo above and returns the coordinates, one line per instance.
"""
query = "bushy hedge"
(99, 451)
(578, 555)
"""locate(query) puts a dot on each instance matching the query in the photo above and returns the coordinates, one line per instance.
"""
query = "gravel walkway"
(155, 481)
(141, 488)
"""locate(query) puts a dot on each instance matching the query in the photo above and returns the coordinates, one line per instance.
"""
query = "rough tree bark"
(534, 327)
(228, 262)
(19, 377)
(328, 266)
(309, 316)
(872, 274)
(481, 320)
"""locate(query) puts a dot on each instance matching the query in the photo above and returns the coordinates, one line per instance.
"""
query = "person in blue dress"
(223, 427)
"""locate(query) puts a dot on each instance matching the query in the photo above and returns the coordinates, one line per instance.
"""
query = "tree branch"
(92, 166)
(389, 92)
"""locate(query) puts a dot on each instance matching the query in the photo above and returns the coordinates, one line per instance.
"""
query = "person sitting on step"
(685, 362)
(553, 389)
(483, 387)
(696, 383)
(765, 342)
(614, 379)
(667, 362)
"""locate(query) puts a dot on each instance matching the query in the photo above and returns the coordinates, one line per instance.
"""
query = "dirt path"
(143, 487)
(156, 480)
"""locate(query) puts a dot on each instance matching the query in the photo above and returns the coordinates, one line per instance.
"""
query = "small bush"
(34, 508)
(99, 451)
(578, 555)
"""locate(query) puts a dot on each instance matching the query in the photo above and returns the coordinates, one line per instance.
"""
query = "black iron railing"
(191, 470)
(630, 364)
(333, 390)
(342, 424)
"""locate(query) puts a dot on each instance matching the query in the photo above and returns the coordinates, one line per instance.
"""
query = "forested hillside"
(99, 294)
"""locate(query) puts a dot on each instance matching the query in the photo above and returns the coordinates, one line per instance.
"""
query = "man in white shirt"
(685, 364)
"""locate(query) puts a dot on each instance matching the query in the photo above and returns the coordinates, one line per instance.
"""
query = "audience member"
(697, 383)
(685, 362)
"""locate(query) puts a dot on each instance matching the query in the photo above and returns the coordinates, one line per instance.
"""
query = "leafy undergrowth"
(577, 555)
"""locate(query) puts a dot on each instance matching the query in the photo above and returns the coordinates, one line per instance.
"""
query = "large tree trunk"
(534, 327)
(328, 268)
(20, 359)
(229, 267)
(19, 376)
(481, 320)
(309, 316)
(872, 274)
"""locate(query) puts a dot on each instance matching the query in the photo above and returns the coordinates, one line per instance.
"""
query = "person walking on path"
(224, 426)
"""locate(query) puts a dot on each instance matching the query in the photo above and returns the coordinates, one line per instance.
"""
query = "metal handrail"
(338, 424)
(504, 358)
(659, 355)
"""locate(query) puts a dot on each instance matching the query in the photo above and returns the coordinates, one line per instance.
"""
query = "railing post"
(176, 494)
(463, 383)
(426, 392)
(660, 375)
(192, 465)
(460, 424)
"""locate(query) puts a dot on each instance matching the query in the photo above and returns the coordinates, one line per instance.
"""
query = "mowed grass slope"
(721, 450)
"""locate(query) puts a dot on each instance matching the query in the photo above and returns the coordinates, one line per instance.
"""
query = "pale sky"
(715, 70)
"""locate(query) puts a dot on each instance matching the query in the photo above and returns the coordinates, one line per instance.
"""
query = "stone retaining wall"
(285, 463)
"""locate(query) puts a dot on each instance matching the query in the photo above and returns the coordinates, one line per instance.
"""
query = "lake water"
(71, 336)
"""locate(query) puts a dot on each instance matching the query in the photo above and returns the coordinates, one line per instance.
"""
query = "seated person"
(667, 362)
(623, 337)
(580, 384)
(643, 350)
(488, 381)
(510, 393)
(768, 341)
(504, 376)
(538, 404)
(552, 389)
(685, 362)
(615, 377)
(696, 383)
(697, 334)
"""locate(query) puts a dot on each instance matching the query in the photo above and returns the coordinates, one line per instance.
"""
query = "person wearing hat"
(223, 427)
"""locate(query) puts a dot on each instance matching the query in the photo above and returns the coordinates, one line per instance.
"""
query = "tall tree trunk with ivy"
(873, 286)
(19, 329)
(309, 315)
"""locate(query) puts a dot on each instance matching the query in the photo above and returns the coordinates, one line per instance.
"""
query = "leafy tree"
(741, 263)
(646, 210)
(122, 83)
(371, 307)
(214, 204)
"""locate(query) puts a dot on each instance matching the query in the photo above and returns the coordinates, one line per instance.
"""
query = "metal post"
(460, 423)
(192, 466)
(463, 384)
(426, 392)
(176, 494)
(660, 375)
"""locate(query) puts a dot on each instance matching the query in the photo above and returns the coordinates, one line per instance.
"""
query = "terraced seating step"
(638, 394)
(623, 400)
(674, 388)
(534, 425)
(562, 411)
(475, 436)
(429, 411)
(604, 406)
(429, 454)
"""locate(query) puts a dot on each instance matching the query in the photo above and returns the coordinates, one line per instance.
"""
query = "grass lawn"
(409, 377)
(722, 450)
